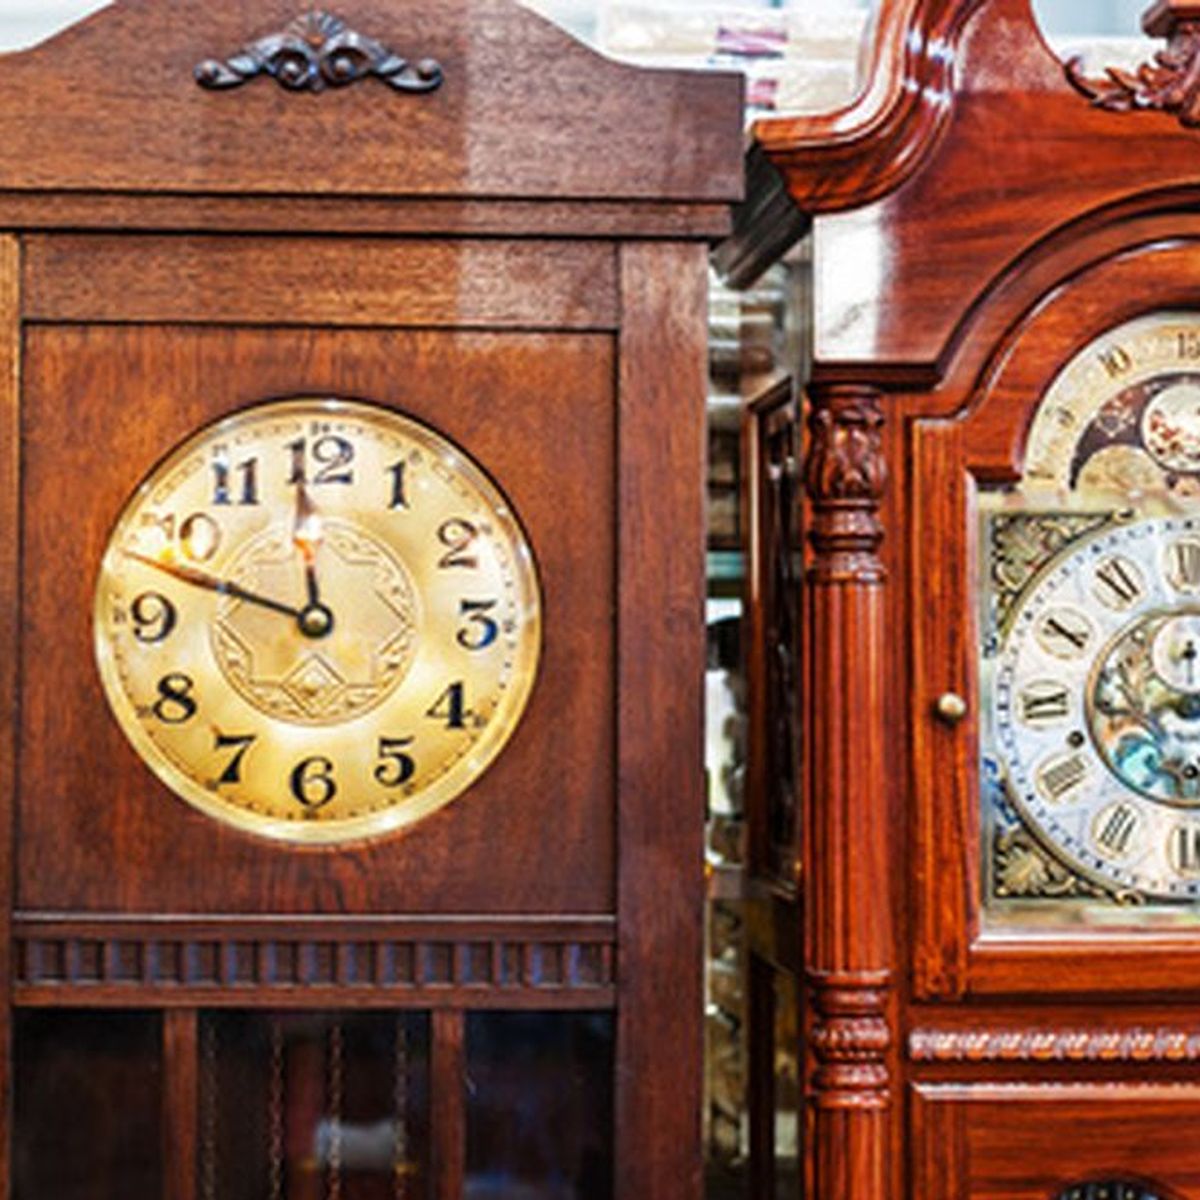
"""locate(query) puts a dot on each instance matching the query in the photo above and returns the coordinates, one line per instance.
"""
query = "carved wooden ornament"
(315, 52)
(1169, 83)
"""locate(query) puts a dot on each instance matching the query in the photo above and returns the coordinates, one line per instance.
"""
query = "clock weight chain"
(208, 1112)
(275, 1113)
(336, 1096)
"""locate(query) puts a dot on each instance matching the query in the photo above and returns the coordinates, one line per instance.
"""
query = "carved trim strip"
(1110, 1189)
(301, 963)
(850, 1040)
(319, 51)
(1055, 1045)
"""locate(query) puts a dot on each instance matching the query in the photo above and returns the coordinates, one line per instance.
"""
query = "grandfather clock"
(353, 412)
(997, 913)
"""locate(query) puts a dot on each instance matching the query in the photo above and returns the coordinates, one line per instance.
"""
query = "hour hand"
(202, 579)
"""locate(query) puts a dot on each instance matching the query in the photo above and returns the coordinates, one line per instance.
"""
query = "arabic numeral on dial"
(480, 630)
(222, 481)
(1189, 344)
(399, 473)
(175, 705)
(451, 707)
(331, 454)
(239, 745)
(198, 536)
(313, 784)
(154, 617)
(396, 765)
(458, 536)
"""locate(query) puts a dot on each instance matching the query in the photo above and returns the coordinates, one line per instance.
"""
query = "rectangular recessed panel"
(540, 1106)
(87, 1106)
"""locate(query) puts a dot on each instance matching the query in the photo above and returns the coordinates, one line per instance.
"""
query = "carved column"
(848, 933)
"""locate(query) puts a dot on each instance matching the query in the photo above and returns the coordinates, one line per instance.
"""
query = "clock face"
(1097, 705)
(1091, 647)
(318, 621)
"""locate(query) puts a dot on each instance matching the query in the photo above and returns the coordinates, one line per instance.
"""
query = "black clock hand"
(224, 587)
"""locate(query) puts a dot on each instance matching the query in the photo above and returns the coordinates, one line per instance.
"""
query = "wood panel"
(663, 383)
(309, 281)
(181, 1103)
(513, 82)
(10, 624)
(102, 405)
(448, 1110)
(1034, 1141)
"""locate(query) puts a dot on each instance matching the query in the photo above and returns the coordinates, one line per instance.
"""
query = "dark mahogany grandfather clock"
(351, 485)
(1000, 876)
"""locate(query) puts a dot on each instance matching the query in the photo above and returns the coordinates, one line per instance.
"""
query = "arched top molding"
(416, 100)
(968, 153)
(1156, 267)
(869, 147)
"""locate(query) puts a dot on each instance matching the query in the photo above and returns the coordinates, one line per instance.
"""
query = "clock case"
(980, 215)
(516, 257)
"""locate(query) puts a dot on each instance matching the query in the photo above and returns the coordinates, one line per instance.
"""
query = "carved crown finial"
(1163, 17)
(316, 51)
(1169, 83)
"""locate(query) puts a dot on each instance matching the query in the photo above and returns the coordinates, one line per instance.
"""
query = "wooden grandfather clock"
(995, 904)
(351, 484)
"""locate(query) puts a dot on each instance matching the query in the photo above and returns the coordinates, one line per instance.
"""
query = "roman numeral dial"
(1096, 709)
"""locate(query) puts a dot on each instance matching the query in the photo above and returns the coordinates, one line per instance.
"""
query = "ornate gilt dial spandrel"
(318, 621)
(1090, 654)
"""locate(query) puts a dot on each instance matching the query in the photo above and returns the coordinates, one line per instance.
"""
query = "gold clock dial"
(318, 620)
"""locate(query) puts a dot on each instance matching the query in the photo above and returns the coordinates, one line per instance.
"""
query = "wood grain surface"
(526, 112)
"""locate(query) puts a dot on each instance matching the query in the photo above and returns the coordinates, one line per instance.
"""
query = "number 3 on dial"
(318, 620)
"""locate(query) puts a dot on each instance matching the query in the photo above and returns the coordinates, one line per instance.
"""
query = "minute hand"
(224, 587)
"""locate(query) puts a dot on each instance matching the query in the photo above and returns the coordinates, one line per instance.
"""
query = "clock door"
(1057, 523)
(1055, 715)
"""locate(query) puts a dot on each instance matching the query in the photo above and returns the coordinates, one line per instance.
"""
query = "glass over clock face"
(1091, 648)
(318, 620)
